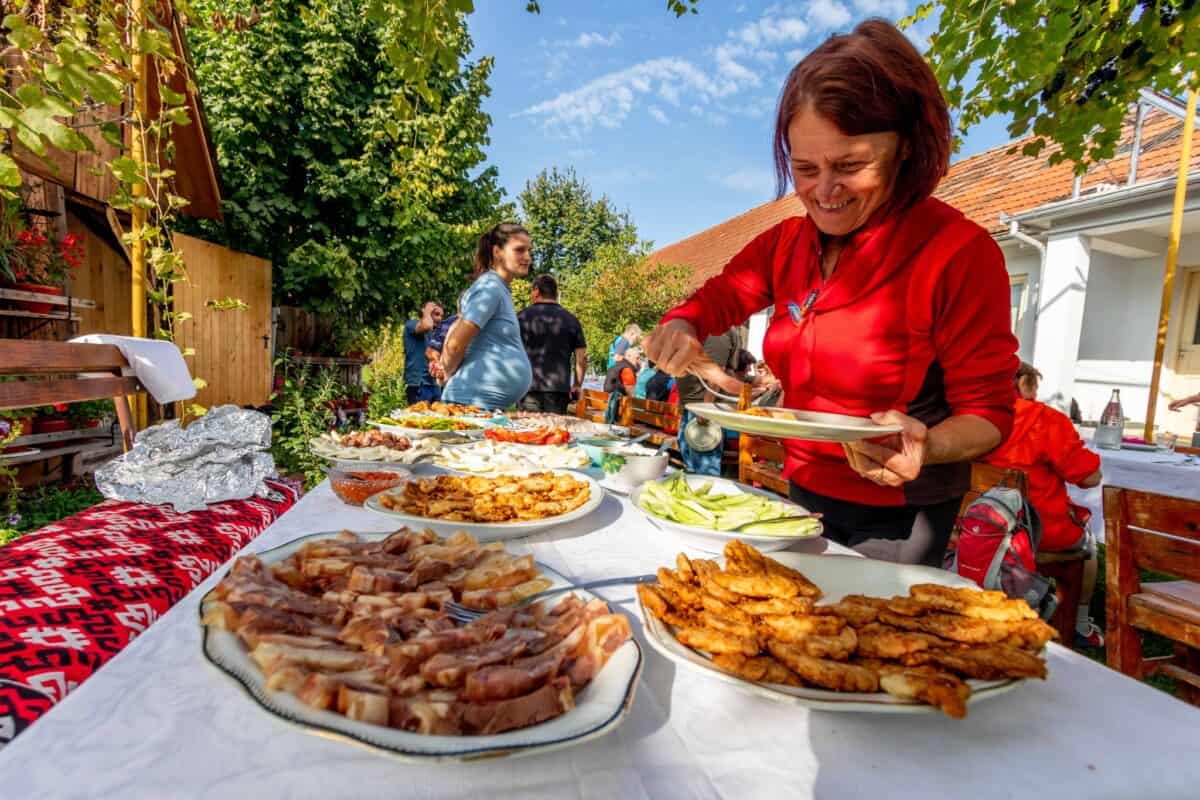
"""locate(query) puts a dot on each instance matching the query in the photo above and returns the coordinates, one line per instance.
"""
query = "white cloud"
(609, 99)
(888, 9)
(659, 115)
(795, 55)
(753, 180)
(585, 40)
(828, 13)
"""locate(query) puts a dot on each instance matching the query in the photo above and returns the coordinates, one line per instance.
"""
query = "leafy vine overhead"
(1066, 71)
(676, 7)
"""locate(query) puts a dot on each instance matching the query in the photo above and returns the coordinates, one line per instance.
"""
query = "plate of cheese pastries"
(346, 635)
(490, 507)
(843, 633)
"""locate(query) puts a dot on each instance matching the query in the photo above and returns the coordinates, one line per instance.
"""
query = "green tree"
(567, 224)
(618, 287)
(1066, 71)
(366, 197)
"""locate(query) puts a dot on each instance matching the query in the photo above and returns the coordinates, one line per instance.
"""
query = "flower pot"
(37, 288)
(50, 425)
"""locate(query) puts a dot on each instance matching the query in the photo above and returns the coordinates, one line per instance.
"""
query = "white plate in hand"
(710, 540)
(811, 425)
(837, 576)
(599, 707)
(493, 531)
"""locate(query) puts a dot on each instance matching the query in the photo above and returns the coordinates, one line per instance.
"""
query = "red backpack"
(998, 537)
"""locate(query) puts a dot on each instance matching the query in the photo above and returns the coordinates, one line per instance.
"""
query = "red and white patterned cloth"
(74, 593)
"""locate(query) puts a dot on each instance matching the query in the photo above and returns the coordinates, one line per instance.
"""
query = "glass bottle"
(1112, 424)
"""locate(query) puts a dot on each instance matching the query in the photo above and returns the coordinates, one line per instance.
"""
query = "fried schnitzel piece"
(989, 663)
(798, 628)
(706, 571)
(778, 605)
(741, 557)
(941, 690)
(962, 602)
(715, 605)
(838, 646)
(1031, 633)
(659, 604)
(839, 676)
(683, 566)
(714, 641)
(757, 584)
(688, 594)
(760, 669)
(974, 597)
(881, 641)
(732, 627)
(850, 609)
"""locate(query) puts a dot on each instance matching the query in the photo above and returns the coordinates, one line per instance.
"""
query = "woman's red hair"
(871, 81)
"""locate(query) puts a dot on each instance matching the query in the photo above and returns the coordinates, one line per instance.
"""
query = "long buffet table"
(160, 722)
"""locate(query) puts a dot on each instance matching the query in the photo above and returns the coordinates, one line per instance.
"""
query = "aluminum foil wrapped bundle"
(221, 456)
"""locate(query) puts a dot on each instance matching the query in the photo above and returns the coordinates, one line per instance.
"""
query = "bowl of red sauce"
(353, 485)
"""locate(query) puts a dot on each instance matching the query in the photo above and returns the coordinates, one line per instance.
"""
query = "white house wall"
(1021, 260)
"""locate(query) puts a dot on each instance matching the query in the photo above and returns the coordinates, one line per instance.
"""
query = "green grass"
(1153, 645)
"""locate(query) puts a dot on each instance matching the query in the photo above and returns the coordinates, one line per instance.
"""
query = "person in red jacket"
(887, 302)
(1046, 447)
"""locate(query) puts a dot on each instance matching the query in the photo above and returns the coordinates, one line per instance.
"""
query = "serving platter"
(810, 425)
(494, 531)
(837, 576)
(709, 540)
(599, 708)
(421, 433)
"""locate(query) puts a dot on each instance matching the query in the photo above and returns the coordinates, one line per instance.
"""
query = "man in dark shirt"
(551, 335)
(418, 383)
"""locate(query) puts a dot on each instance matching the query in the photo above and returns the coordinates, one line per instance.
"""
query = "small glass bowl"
(353, 485)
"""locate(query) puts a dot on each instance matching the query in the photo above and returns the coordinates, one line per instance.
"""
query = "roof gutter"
(1044, 214)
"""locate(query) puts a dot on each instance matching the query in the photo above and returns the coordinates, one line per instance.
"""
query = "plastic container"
(353, 485)
(594, 447)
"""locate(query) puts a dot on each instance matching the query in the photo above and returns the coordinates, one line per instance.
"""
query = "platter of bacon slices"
(346, 636)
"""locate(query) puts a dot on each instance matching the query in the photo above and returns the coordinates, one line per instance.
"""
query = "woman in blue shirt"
(484, 357)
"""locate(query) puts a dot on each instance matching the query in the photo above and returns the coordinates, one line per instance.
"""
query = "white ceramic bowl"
(714, 541)
(636, 469)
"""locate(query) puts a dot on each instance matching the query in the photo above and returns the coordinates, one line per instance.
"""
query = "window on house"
(1017, 285)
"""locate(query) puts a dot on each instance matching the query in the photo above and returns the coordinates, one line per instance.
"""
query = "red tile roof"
(982, 186)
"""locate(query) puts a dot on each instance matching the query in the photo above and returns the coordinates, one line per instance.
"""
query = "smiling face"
(842, 180)
(513, 259)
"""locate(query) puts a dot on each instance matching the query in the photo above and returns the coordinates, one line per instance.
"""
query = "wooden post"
(1164, 311)
(137, 151)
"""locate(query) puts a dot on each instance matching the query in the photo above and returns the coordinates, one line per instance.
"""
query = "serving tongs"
(732, 403)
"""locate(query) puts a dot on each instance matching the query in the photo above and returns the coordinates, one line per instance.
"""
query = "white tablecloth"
(1159, 471)
(160, 722)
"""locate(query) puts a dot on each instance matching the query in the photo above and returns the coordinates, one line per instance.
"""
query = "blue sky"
(671, 118)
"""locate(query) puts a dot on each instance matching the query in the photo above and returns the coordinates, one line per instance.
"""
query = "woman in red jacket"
(886, 302)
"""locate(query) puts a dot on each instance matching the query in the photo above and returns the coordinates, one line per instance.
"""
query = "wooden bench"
(760, 462)
(660, 420)
(65, 372)
(1160, 533)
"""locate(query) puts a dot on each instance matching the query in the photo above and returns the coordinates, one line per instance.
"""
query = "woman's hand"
(674, 347)
(895, 459)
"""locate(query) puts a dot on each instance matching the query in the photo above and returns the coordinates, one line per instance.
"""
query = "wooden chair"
(1160, 533)
(58, 368)
(760, 461)
(591, 405)
(1065, 568)
(660, 420)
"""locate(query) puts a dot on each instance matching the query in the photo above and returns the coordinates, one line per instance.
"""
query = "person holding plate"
(888, 303)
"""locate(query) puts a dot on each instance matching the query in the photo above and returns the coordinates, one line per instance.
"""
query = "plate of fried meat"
(843, 633)
(346, 636)
(493, 507)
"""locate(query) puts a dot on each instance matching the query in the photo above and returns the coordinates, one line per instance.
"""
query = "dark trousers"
(545, 402)
(854, 524)
(411, 393)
